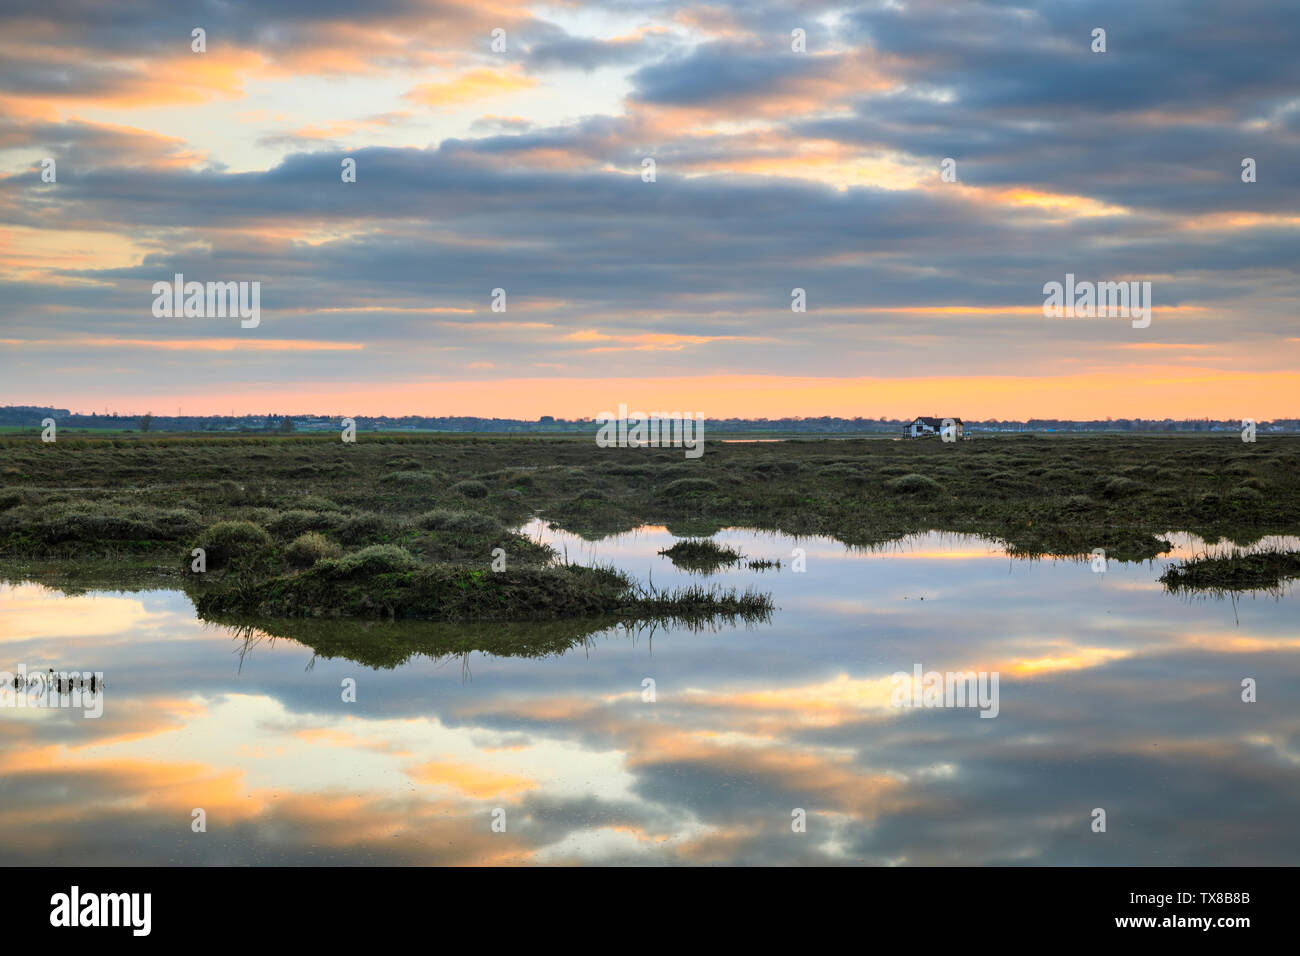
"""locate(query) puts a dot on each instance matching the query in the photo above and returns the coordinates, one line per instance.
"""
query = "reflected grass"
(390, 644)
(1264, 571)
(702, 556)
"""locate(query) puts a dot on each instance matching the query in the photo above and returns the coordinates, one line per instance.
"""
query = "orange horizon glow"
(1150, 392)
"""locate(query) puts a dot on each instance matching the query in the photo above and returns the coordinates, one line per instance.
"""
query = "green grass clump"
(97, 523)
(376, 559)
(227, 540)
(1245, 495)
(309, 548)
(1123, 488)
(403, 464)
(914, 484)
(508, 477)
(444, 593)
(367, 528)
(315, 503)
(470, 489)
(687, 487)
(293, 523)
(849, 473)
(703, 556)
(459, 522)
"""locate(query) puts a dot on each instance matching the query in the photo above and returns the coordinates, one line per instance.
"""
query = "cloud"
(590, 53)
(774, 170)
(469, 87)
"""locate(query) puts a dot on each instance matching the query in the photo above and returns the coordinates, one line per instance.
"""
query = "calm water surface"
(1112, 694)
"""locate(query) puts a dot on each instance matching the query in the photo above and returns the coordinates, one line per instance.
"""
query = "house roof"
(933, 422)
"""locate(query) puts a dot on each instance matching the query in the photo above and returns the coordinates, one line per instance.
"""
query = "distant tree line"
(31, 416)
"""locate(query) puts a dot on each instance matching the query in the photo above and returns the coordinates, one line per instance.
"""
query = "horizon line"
(631, 414)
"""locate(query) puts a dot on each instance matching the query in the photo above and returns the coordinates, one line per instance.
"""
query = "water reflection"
(1113, 694)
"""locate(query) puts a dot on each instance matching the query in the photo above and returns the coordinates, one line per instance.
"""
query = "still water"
(1113, 694)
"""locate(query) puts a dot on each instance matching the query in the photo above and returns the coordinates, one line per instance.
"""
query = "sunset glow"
(505, 147)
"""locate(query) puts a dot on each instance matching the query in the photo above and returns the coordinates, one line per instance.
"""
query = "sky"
(775, 168)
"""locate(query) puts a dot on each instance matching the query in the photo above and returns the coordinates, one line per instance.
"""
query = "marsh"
(825, 568)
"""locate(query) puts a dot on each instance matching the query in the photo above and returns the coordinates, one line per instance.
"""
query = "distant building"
(922, 426)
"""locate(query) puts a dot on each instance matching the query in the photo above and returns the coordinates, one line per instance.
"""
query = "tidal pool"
(1113, 694)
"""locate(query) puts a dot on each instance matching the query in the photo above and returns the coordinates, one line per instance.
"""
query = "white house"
(923, 426)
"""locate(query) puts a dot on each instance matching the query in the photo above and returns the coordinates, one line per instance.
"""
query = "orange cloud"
(35, 254)
(163, 81)
(477, 783)
(471, 86)
(1076, 659)
(1052, 202)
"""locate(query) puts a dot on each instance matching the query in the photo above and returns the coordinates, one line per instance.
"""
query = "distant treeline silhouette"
(30, 416)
